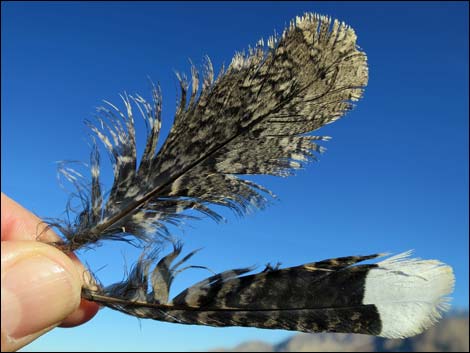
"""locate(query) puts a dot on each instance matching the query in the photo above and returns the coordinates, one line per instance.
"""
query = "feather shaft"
(334, 295)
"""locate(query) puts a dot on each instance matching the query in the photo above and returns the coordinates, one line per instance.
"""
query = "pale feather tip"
(410, 293)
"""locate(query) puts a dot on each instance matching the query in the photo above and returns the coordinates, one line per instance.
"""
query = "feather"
(252, 119)
(395, 298)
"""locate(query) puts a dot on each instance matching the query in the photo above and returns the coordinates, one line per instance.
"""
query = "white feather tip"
(410, 293)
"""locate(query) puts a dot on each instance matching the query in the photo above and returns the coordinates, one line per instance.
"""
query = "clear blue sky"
(395, 176)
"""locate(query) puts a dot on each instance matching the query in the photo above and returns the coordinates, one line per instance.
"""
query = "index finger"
(20, 224)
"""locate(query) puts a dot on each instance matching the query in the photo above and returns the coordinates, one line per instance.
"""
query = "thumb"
(40, 288)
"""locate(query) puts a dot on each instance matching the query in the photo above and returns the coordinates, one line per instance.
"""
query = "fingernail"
(36, 293)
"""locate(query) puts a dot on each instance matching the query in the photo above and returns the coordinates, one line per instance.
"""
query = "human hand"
(41, 285)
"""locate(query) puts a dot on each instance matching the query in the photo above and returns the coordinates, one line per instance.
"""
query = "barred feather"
(251, 119)
(395, 298)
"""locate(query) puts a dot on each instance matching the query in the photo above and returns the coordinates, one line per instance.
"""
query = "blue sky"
(395, 176)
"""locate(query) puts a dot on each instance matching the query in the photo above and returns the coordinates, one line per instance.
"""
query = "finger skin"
(40, 287)
(19, 224)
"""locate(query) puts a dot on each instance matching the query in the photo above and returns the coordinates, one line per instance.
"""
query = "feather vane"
(333, 295)
(251, 119)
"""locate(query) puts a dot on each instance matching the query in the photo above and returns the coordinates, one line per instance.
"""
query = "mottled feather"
(250, 119)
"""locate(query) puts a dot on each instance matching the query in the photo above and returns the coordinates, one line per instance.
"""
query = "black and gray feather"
(254, 117)
(251, 119)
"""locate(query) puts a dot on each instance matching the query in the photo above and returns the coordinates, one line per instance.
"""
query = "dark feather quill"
(253, 118)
